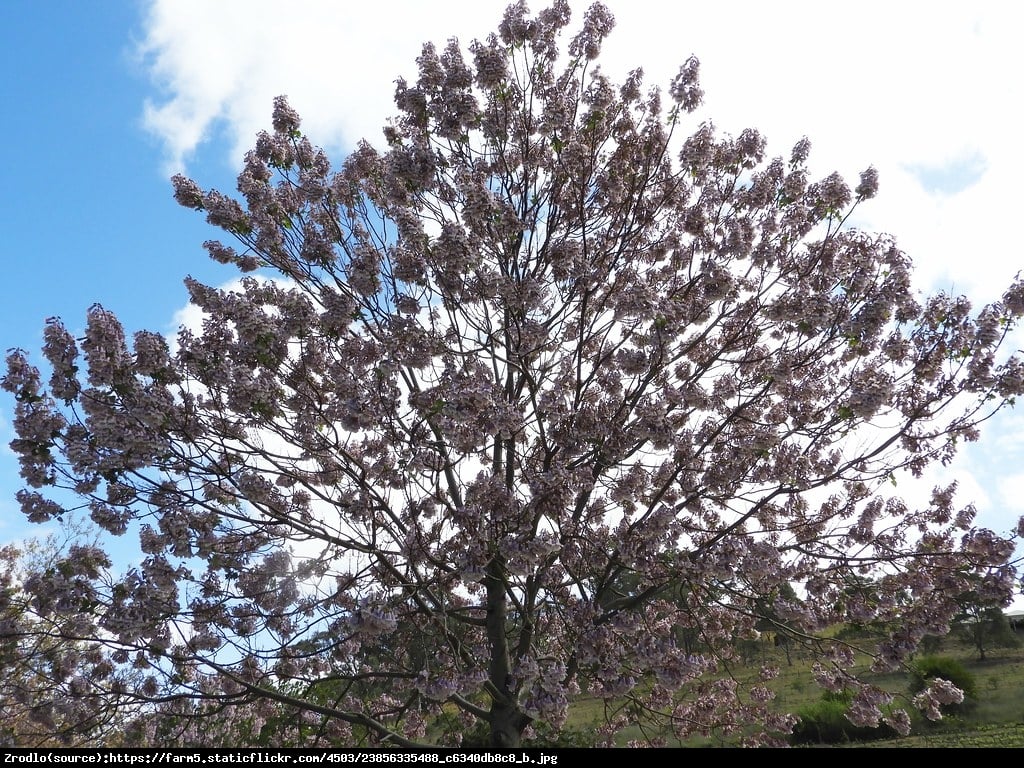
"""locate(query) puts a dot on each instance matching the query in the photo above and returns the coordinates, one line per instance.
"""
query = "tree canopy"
(504, 410)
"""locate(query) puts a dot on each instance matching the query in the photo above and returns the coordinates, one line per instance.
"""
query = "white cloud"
(1011, 493)
(218, 66)
(897, 85)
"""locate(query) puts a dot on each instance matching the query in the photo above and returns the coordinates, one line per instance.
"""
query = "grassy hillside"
(996, 719)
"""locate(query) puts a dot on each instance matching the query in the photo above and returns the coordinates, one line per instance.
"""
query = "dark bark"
(506, 719)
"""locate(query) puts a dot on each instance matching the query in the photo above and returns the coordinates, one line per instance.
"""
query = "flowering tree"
(508, 409)
(48, 654)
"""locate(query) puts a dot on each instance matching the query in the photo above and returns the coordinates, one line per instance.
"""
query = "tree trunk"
(506, 719)
(507, 725)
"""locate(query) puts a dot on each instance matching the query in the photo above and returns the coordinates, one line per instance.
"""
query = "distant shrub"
(825, 722)
(543, 737)
(929, 667)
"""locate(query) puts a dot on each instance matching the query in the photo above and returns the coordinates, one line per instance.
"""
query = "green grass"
(985, 736)
(997, 720)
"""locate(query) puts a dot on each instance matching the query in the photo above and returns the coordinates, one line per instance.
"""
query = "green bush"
(825, 722)
(543, 737)
(928, 667)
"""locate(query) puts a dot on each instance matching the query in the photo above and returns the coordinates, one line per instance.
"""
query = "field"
(995, 720)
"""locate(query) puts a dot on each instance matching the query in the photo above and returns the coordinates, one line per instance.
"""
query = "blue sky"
(105, 99)
(86, 204)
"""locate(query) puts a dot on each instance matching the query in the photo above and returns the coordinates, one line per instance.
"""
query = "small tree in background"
(508, 407)
(50, 657)
(982, 624)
